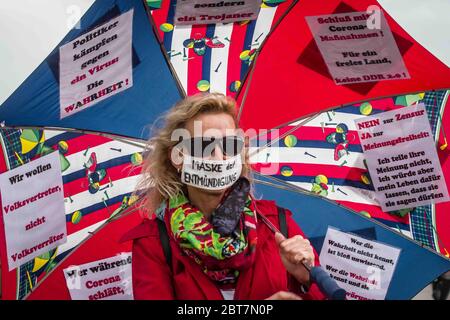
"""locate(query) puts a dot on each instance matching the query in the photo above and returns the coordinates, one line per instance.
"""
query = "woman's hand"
(293, 251)
(284, 295)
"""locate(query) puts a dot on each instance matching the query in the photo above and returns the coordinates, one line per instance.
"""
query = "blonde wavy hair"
(160, 179)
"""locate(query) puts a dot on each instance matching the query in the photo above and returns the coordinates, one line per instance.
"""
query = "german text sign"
(96, 65)
(107, 279)
(355, 49)
(402, 159)
(215, 11)
(33, 209)
(362, 267)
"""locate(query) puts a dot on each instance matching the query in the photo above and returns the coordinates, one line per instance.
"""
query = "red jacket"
(153, 279)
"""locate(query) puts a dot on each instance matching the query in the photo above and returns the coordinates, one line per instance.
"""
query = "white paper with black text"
(96, 65)
(402, 159)
(358, 47)
(106, 279)
(33, 209)
(362, 267)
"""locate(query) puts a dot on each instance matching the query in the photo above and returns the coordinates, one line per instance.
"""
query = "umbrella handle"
(326, 284)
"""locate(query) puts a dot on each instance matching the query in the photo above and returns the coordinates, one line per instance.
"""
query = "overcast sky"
(30, 29)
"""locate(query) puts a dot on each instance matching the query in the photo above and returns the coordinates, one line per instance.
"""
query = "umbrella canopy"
(171, 61)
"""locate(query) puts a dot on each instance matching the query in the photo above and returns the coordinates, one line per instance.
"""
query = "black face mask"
(226, 217)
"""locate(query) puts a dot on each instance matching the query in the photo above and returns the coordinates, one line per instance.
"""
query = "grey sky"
(30, 29)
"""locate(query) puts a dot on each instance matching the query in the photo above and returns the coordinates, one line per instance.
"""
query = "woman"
(219, 246)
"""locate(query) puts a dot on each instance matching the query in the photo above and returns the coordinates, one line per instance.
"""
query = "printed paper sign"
(33, 209)
(364, 268)
(354, 53)
(107, 279)
(215, 11)
(401, 156)
(96, 65)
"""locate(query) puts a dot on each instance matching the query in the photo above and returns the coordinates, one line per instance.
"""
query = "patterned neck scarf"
(223, 246)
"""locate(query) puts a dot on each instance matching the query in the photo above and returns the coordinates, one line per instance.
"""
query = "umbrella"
(169, 62)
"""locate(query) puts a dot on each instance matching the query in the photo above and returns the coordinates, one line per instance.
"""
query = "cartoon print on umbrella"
(45, 262)
(127, 202)
(94, 176)
(409, 99)
(320, 185)
(271, 3)
(340, 139)
(365, 176)
(247, 56)
(199, 43)
(33, 145)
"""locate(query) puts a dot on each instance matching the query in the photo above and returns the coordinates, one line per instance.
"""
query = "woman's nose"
(217, 154)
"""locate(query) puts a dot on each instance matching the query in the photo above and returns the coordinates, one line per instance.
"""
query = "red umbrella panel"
(105, 243)
(99, 176)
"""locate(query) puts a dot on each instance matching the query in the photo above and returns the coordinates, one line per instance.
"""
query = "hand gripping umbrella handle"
(326, 284)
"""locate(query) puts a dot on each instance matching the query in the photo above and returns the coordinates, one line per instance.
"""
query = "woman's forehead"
(211, 124)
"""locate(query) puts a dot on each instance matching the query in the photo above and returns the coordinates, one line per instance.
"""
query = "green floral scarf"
(221, 257)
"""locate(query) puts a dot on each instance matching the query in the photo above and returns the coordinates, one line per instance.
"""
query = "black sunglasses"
(200, 147)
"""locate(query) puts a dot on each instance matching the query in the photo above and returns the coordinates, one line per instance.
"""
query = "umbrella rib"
(441, 113)
(303, 191)
(281, 187)
(131, 141)
(124, 213)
